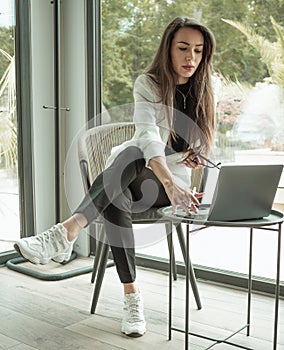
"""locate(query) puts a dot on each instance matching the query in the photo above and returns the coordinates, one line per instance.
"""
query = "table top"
(275, 217)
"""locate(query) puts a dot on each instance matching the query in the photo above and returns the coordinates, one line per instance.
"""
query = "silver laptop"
(242, 192)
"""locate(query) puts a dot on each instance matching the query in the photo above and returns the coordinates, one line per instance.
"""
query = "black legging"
(121, 189)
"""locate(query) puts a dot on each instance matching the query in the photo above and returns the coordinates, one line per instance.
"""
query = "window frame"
(24, 113)
(24, 121)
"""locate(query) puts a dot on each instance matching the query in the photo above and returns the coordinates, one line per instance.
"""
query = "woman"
(174, 118)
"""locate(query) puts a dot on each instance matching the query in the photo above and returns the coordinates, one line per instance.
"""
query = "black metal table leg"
(277, 289)
(187, 306)
(171, 248)
(249, 282)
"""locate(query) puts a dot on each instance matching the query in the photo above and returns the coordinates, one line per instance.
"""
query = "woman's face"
(186, 52)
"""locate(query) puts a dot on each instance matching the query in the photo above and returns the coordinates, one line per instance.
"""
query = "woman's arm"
(176, 194)
(153, 147)
(150, 119)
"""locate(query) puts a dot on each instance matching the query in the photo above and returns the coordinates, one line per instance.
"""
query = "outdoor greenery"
(8, 120)
(132, 30)
(7, 45)
(271, 53)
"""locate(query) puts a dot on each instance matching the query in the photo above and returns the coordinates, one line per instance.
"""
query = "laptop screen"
(243, 191)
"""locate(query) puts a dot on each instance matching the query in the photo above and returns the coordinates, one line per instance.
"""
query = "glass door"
(250, 100)
(9, 189)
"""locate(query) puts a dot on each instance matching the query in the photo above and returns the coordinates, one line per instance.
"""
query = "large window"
(9, 193)
(250, 111)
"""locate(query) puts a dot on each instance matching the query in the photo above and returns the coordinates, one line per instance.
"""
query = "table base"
(186, 330)
(215, 340)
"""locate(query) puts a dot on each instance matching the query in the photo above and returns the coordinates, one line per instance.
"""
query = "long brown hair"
(165, 78)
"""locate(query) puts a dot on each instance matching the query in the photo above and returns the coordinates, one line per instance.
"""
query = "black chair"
(94, 148)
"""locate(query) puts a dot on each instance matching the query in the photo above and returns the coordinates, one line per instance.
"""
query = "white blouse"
(152, 130)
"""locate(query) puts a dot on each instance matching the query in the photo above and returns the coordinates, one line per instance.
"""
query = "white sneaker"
(51, 244)
(133, 321)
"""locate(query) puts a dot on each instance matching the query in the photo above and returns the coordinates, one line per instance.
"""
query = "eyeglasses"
(208, 163)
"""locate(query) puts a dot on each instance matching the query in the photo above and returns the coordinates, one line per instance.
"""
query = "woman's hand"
(186, 199)
(193, 160)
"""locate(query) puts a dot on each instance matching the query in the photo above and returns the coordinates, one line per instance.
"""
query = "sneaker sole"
(134, 335)
(33, 259)
(62, 258)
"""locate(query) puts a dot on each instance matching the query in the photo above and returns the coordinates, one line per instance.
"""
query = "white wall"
(43, 120)
(74, 84)
(73, 90)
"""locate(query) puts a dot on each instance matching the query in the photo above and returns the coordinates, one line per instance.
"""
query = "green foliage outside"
(268, 96)
(8, 122)
(271, 53)
(132, 30)
(7, 45)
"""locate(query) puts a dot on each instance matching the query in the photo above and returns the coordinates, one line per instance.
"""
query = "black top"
(182, 118)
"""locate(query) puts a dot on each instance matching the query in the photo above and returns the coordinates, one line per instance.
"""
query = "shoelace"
(51, 236)
(134, 311)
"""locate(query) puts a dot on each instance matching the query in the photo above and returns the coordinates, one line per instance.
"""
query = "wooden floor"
(36, 314)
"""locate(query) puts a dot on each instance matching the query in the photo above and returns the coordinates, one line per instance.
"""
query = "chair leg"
(102, 264)
(192, 273)
(99, 247)
(97, 259)
(174, 266)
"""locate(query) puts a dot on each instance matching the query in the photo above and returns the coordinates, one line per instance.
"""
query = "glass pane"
(9, 194)
(250, 110)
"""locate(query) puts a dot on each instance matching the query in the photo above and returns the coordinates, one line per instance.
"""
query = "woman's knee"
(134, 153)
